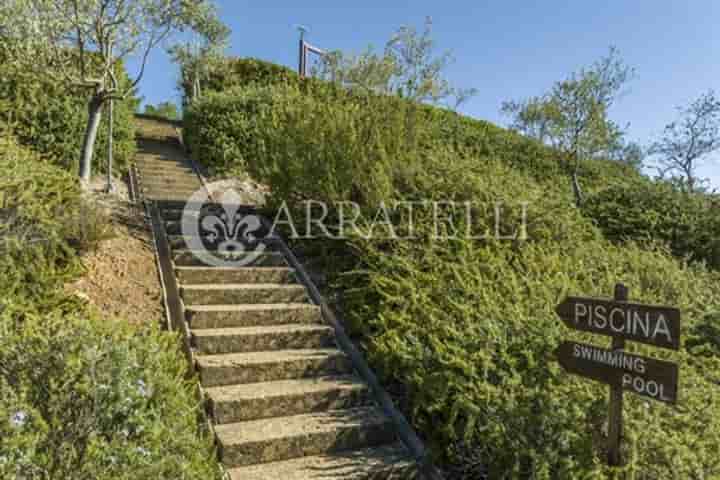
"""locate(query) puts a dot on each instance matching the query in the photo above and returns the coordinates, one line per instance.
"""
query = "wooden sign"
(621, 320)
(648, 377)
(653, 325)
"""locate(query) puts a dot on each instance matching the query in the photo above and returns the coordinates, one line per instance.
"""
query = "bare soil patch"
(121, 279)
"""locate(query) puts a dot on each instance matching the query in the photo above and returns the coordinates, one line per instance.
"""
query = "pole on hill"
(615, 420)
(109, 188)
(301, 54)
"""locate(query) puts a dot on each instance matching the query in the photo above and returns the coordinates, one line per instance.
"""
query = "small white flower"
(18, 419)
(142, 451)
(142, 388)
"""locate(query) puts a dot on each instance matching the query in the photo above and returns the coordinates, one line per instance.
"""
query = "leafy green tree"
(573, 115)
(198, 56)
(686, 142)
(80, 43)
(630, 153)
(408, 67)
(163, 109)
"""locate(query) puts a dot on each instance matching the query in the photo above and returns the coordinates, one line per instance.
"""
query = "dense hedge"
(231, 72)
(465, 328)
(230, 80)
(645, 211)
(50, 116)
(80, 396)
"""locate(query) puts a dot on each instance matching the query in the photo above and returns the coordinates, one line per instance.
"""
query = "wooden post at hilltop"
(615, 419)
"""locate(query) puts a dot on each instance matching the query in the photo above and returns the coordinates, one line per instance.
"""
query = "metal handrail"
(405, 431)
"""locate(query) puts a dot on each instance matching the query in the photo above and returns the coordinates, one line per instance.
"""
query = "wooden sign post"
(622, 320)
(615, 418)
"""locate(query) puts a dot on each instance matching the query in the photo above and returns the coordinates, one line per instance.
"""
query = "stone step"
(175, 213)
(169, 192)
(213, 341)
(161, 169)
(168, 178)
(234, 293)
(180, 242)
(165, 196)
(179, 176)
(170, 205)
(257, 367)
(387, 462)
(161, 183)
(253, 401)
(174, 227)
(228, 316)
(284, 438)
(201, 275)
(189, 258)
(150, 162)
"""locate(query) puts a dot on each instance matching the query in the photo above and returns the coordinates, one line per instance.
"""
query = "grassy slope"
(467, 328)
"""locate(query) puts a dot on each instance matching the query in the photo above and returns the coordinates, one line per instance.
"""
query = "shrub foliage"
(50, 117)
(648, 211)
(80, 397)
(464, 329)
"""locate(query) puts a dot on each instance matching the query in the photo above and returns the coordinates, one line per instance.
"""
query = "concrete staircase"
(285, 401)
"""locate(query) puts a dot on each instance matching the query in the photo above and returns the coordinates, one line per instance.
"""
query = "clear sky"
(506, 49)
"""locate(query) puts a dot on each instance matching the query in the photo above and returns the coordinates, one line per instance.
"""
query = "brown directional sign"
(658, 326)
(655, 379)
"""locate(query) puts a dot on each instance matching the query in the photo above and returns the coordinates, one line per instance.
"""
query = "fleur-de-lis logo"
(231, 230)
(230, 234)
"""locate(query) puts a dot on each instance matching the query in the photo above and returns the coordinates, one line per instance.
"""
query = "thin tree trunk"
(690, 182)
(572, 161)
(576, 189)
(93, 124)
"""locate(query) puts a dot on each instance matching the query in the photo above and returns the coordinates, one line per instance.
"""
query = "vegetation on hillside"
(163, 109)
(50, 117)
(686, 143)
(80, 396)
(80, 45)
(463, 329)
(574, 116)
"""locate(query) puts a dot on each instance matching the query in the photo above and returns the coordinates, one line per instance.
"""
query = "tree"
(163, 109)
(81, 42)
(686, 142)
(573, 116)
(629, 153)
(408, 67)
(199, 55)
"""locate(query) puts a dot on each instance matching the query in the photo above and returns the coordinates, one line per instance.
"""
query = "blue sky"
(506, 49)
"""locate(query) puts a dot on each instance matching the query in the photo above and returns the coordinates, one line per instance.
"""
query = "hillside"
(90, 387)
(462, 327)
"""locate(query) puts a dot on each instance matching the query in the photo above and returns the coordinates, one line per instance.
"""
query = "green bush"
(466, 327)
(230, 72)
(245, 132)
(80, 397)
(655, 211)
(235, 78)
(50, 117)
(43, 204)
